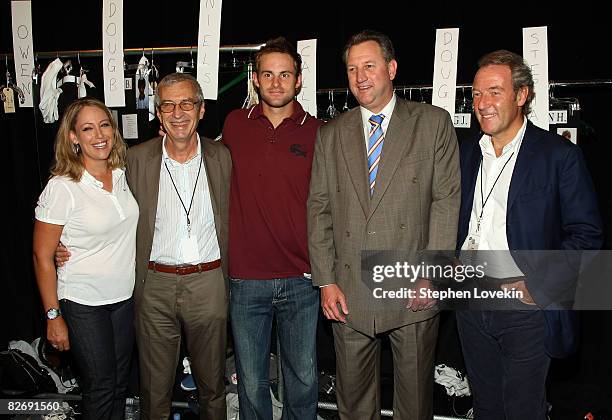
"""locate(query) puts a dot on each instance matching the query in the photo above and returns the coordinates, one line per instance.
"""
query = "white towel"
(49, 92)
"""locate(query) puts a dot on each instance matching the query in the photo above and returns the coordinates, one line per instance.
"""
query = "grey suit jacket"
(415, 205)
(143, 168)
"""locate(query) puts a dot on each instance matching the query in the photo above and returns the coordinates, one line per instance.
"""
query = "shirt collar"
(167, 157)
(386, 111)
(89, 178)
(486, 145)
(299, 116)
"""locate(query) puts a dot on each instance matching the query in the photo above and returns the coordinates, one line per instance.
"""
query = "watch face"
(53, 313)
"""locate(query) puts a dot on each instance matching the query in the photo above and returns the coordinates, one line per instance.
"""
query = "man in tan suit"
(405, 198)
(181, 183)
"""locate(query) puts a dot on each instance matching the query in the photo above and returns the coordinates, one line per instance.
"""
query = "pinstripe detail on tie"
(375, 144)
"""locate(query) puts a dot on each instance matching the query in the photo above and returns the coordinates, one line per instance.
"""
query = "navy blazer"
(551, 206)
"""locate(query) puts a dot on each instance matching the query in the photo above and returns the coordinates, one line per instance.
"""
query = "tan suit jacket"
(415, 204)
(143, 169)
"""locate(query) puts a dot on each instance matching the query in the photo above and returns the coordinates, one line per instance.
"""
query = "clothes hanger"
(345, 107)
(11, 86)
(332, 112)
(571, 104)
(251, 98)
(464, 105)
(82, 80)
(423, 101)
(154, 73)
(182, 66)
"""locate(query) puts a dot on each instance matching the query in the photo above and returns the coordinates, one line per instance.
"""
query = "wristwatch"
(53, 313)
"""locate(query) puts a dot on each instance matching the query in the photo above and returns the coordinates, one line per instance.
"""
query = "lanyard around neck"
(187, 211)
(483, 200)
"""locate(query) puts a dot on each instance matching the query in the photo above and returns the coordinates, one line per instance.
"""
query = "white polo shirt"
(100, 232)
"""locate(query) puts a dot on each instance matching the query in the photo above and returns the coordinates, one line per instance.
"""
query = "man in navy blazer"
(523, 188)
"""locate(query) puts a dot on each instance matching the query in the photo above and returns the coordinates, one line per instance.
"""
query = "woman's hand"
(57, 334)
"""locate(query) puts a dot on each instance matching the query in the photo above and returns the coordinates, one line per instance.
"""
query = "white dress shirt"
(492, 235)
(366, 115)
(100, 232)
(171, 218)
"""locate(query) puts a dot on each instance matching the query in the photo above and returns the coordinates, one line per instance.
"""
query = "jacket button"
(347, 266)
(402, 226)
(348, 233)
(415, 180)
(371, 232)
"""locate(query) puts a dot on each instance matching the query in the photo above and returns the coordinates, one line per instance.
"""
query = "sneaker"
(188, 383)
(455, 383)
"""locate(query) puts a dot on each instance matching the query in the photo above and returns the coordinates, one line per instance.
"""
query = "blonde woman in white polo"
(88, 206)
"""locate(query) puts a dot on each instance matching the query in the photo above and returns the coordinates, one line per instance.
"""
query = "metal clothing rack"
(552, 83)
(139, 51)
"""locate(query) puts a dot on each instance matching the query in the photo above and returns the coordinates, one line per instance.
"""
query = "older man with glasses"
(181, 183)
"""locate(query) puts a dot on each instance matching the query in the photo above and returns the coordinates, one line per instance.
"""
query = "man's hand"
(421, 303)
(61, 255)
(331, 297)
(57, 334)
(519, 286)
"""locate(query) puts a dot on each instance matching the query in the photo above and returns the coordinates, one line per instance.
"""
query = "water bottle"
(132, 411)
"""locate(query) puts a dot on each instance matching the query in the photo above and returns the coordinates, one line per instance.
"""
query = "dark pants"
(101, 342)
(193, 304)
(253, 305)
(506, 363)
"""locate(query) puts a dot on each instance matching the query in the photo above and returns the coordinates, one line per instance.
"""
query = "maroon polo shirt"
(269, 189)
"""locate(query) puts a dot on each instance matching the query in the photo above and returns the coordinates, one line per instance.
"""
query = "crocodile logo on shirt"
(298, 150)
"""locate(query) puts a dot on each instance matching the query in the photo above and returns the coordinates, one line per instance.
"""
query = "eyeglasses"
(169, 106)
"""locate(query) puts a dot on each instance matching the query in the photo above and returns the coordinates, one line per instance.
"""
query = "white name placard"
(557, 117)
(535, 52)
(23, 51)
(308, 95)
(445, 69)
(462, 120)
(209, 38)
(112, 52)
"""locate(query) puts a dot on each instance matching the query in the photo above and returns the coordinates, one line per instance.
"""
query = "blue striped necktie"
(375, 144)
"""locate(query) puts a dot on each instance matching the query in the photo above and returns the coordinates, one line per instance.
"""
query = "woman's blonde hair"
(68, 160)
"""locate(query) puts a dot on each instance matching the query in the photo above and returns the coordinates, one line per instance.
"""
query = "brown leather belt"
(183, 270)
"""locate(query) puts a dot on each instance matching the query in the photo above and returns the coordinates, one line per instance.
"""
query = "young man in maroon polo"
(272, 146)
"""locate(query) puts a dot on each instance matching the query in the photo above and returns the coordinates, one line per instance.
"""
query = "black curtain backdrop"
(577, 51)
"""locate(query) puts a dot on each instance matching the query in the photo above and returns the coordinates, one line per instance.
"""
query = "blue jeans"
(253, 305)
(101, 342)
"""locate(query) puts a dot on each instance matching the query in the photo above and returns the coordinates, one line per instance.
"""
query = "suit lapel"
(523, 164)
(153, 166)
(472, 167)
(398, 137)
(213, 175)
(353, 149)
